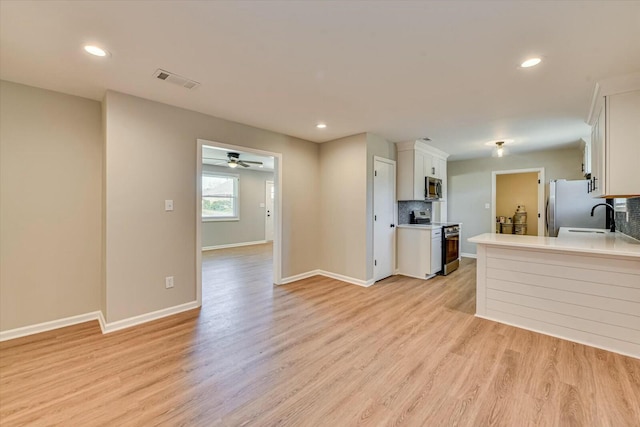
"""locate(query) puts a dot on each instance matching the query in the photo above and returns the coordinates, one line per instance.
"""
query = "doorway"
(384, 217)
(518, 202)
(245, 159)
(269, 198)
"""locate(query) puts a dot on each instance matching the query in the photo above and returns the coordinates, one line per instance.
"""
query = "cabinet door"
(414, 252)
(429, 166)
(436, 251)
(586, 158)
(597, 156)
(418, 175)
(442, 169)
(622, 144)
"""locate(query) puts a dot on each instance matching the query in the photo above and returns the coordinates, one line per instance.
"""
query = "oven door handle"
(451, 235)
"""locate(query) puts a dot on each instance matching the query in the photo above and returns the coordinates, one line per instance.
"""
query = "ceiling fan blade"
(213, 158)
(253, 163)
(242, 163)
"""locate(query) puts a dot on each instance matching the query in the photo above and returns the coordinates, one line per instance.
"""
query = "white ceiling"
(209, 152)
(404, 70)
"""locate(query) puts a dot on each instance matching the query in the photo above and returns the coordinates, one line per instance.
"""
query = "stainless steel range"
(450, 248)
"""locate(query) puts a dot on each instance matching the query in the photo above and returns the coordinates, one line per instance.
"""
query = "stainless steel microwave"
(432, 188)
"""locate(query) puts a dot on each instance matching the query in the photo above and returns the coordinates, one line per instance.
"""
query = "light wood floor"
(315, 353)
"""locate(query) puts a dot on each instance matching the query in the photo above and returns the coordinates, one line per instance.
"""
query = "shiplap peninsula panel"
(592, 299)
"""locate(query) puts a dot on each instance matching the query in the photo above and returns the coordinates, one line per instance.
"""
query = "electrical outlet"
(487, 206)
(168, 205)
(168, 282)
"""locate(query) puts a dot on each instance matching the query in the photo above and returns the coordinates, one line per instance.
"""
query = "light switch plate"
(168, 282)
(487, 206)
(168, 205)
(262, 205)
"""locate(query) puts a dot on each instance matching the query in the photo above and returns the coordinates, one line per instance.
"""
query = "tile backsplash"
(405, 208)
(631, 227)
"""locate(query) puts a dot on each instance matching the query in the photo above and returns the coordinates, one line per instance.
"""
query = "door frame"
(266, 197)
(277, 208)
(541, 196)
(394, 268)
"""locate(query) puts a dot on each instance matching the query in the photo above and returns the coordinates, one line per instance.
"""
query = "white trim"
(148, 317)
(541, 197)
(468, 255)
(353, 281)
(96, 315)
(635, 356)
(340, 277)
(49, 326)
(301, 276)
(233, 245)
(102, 321)
(220, 219)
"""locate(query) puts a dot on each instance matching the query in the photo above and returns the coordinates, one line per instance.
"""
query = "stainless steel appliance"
(569, 205)
(450, 248)
(432, 188)
(420, 217)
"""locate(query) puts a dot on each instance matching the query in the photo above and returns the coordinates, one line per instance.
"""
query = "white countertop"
(595, 243)
(428, 226)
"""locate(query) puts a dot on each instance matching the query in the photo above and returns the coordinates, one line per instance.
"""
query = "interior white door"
(268, 225)
(384, 184)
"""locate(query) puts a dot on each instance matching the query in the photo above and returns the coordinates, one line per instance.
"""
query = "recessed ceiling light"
(530, 62)
(95, 50)
(321, 125)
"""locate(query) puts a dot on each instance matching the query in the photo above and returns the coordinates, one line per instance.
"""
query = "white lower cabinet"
(419, 251)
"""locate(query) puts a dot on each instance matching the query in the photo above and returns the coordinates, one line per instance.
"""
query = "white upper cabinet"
(586, 157)
(615, 141)
(417, 160)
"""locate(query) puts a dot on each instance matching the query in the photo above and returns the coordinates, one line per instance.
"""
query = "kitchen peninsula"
(583, 286)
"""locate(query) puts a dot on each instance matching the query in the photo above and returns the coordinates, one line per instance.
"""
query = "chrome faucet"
(613, 214)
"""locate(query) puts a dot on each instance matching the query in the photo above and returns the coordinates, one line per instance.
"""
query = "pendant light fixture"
(499, 151)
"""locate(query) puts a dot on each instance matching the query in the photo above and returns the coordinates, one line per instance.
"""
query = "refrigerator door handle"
(547, 217)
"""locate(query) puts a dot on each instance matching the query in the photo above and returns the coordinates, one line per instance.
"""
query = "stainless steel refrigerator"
(569, 205)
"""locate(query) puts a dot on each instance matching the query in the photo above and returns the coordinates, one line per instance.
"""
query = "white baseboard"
(96, 315)
(467, 255)
(359, 282)
(48, 326)
(347, 279)
(300, 276)
(233, 245)
(148, 317)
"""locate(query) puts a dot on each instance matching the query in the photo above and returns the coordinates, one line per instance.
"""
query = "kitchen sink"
(587, 231)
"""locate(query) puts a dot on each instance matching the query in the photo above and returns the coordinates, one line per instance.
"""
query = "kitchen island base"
(592, 299)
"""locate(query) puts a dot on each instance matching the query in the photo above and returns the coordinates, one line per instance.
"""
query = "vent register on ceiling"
(176, 79)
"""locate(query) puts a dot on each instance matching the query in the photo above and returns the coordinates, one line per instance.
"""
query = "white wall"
(251, 226)
(343, 206)
(151, 156)
(50, 205)
(469, 185)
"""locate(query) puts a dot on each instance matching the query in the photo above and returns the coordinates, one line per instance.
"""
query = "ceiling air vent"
(170, 77)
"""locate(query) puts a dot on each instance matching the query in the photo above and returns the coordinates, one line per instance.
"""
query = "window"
(620, 205)
(219, 197)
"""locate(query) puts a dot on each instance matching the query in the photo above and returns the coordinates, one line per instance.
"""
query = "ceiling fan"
(233, 160)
